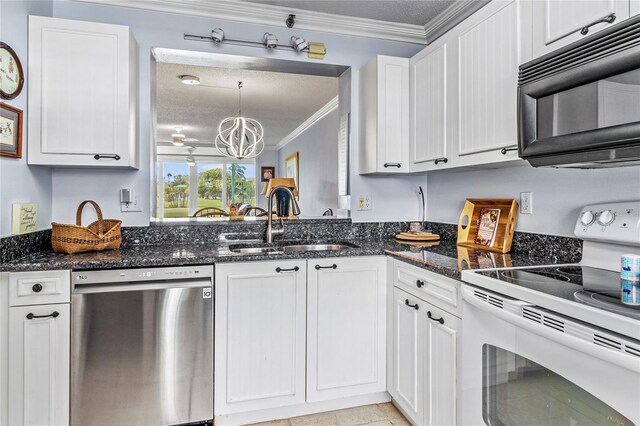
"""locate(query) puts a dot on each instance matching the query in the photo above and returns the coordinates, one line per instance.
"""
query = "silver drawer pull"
(608, 19)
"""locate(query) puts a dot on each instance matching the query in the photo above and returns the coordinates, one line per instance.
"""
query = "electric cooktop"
(599, 288)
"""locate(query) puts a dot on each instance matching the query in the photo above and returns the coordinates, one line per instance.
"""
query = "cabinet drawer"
(440, 291)
(37, 288)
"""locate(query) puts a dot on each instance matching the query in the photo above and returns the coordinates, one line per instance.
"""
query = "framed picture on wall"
(267, 173)
(291, 169)
(10, 131)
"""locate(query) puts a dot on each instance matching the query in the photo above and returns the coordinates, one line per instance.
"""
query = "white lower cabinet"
(38, 349)
(408, 356)
(260, 316)
(425, 355)
(292, 333)
(346, 328)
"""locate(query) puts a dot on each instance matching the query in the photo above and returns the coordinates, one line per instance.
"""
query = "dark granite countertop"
(444, 258)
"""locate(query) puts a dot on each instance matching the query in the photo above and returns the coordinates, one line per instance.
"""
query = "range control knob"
(606, 217)
(587, 218)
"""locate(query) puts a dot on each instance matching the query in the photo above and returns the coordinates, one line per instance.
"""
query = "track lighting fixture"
(316, 50)
(270, 40)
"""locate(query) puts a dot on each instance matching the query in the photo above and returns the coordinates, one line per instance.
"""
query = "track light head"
(270, 40)
(299, 43)
(217, 34)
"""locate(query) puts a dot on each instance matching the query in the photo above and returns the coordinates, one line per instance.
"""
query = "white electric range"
(554, 344)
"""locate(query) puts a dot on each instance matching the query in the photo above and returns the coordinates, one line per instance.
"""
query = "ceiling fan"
(178, 138)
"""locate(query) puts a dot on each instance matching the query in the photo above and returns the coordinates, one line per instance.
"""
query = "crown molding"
(452, 16)
(317, 116)
(237, 10)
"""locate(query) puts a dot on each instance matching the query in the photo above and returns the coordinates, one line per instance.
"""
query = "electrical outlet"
(364, 202)
(526, 203)
(133, 206)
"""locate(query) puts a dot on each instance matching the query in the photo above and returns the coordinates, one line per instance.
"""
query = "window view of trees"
(240, 186)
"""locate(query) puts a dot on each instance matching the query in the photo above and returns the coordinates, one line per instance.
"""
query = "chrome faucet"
(295, 209)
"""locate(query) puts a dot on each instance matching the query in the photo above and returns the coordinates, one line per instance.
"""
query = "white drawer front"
(440, 291)
(37, 288)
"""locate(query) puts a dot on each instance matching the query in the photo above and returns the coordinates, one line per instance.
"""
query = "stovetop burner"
(592, 286)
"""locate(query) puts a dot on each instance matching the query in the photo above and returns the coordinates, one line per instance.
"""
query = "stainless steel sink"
(257, 250)
(290, 249)
(301, 248)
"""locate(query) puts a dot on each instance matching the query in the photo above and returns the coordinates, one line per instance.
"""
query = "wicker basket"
(103, 234)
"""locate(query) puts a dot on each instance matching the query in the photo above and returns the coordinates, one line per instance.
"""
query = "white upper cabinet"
(346, 327)
(384, 124)
(464, 90)
(82, 94)
(429, 92)
(557, 23)
(634, 7)
(491, 44)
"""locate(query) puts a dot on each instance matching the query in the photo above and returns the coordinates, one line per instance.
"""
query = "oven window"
(517, 391)
(604, 103)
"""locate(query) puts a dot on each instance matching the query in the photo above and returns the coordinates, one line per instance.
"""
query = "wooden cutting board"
(417, 236)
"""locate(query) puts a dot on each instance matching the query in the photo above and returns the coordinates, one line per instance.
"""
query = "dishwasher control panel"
(141, 274)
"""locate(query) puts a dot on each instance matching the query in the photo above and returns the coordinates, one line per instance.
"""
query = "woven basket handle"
(98, 211)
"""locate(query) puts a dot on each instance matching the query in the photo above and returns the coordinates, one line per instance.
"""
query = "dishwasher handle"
(88, 288)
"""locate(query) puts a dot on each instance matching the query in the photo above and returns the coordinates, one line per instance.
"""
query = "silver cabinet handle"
(398, 165)
(608, 19)
(504, 151)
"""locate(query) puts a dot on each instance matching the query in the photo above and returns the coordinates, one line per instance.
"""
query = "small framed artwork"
(10, 131)
(11, 74)
(292, 169)
(267, 173)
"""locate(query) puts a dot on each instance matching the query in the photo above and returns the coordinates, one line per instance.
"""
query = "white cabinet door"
(408, 356)
(39, 365)
(441, 342)
(346, 327)
(260, 333)
(557, 23)
(492, 43)
(82, 94)
(384, 102)
(634, 8)
(429, 102)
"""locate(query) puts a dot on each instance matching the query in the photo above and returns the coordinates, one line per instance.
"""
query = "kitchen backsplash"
(562, 249)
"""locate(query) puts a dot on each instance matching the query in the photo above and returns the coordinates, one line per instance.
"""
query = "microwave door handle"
(584, 346)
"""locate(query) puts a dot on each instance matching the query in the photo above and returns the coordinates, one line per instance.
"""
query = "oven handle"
(626, 361)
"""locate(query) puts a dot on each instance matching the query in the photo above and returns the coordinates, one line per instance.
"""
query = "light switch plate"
(133, 206)
(364, 202)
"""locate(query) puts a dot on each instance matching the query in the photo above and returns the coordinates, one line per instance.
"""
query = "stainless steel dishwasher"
(142, 346)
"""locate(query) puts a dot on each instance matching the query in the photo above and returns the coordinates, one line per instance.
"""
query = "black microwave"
(580, 105)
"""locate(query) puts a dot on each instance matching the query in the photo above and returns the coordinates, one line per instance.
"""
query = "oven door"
(520, 372)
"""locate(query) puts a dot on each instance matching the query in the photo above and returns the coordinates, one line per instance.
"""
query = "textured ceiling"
(279, 101)
(405, 11)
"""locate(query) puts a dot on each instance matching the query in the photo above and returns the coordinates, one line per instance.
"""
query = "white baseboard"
(301, 409)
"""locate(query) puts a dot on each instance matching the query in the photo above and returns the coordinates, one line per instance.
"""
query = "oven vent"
(607, 342)
(480, 295)
(632, 351)
(488, 298)
(542, 318)
(495, 302)
(532, 315)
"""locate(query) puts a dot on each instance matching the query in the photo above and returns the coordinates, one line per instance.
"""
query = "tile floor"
(374, 415)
